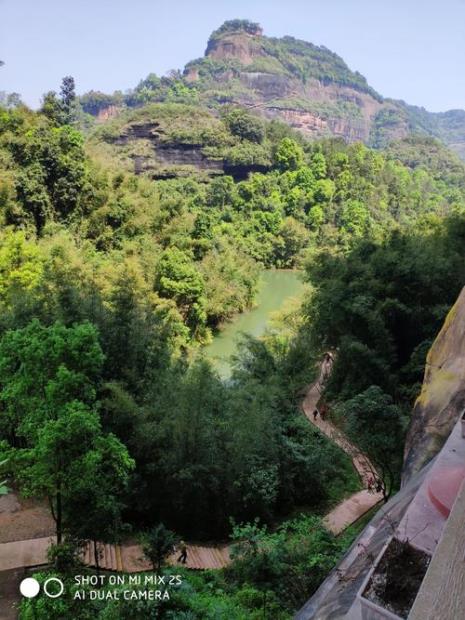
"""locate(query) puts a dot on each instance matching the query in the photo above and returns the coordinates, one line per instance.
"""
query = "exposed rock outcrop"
(152, 153)
(146, 148)
(442, 398)
(109, 112)
(240, 46)
(312, 124)
(306, 85)
(279, 82)
(311, 88)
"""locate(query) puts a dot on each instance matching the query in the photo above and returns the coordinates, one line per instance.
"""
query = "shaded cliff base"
(434, 446)
(414, 514)
(442, 397)
(337, 593)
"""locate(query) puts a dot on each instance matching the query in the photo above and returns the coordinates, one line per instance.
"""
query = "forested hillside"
(123, 247)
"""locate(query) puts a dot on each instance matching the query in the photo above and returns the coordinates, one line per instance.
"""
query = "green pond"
(275, 288)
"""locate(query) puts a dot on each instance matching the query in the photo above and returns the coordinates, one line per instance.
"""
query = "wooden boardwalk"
(118, 558)
(358, 504)
(199, 557)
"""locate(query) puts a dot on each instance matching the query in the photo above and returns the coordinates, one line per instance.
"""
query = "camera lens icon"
(56, 590)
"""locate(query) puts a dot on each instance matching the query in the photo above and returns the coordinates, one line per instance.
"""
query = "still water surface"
(275, 288)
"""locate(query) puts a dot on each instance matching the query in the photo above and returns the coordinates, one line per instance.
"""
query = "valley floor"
(33, 523)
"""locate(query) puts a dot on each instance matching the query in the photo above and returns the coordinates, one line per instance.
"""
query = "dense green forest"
(112, 281)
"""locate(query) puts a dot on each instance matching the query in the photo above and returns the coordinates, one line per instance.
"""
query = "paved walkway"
(9, 592)
(129, 558)
(22, 518)
(355, 506)
(24, 552)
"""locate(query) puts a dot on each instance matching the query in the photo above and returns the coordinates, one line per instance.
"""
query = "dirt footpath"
(354, 507)
(9, 593)
(22, 519)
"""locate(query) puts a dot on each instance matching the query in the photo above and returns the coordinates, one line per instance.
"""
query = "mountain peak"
(306, 85)
(235, 39)
(237, 26)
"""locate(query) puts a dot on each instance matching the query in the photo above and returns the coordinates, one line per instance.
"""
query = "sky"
(407, 49)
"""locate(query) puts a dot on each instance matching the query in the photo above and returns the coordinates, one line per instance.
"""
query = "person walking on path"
(183, 555)
(315, 414)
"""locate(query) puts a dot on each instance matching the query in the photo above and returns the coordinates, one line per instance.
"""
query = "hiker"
(183, 555)
(379, 486)
(315, 413)
(371, 482)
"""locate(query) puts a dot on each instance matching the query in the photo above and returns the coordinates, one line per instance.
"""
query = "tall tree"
(157, 544)
(49, 377)
(68, 90)
(51, 107)
(68, 97)
(80, 470)
(45, 369)
(375, 425)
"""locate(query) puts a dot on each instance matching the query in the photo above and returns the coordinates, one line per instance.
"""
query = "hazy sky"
(407, 49)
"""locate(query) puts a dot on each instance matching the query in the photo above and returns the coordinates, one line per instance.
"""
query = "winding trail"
(355, 506)
(129, 557)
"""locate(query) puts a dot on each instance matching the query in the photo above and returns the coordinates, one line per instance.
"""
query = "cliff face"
(108, 113)
(310, 88)
(331, 109)
(167, 141)
(442, 398)
(148, 148)
(240, 46)
(304, 85)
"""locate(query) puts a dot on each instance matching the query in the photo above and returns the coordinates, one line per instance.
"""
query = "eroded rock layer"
(442, 398)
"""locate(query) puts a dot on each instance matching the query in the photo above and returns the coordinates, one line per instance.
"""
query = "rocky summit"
(170, 126)
(309, 87)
